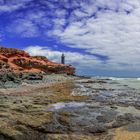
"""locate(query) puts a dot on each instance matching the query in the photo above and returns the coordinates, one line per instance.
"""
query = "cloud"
(24, 28)
(113, 32)
(102, 27)
(12, 5)
(79, 60)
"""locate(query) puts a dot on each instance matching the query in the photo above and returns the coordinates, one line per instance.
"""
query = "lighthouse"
(63, 59)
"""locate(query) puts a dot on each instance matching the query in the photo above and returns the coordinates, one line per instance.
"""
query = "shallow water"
(63, 105)
(131, 82)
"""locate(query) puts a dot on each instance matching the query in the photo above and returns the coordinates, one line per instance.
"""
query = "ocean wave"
(116, 78)
(121, 79)
(138, 79)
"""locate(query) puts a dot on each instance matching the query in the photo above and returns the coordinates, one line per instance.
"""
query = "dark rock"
(125, 117)
(32, 76)
(8, 78)
(101, 119)
(123, 120)
(95, 129)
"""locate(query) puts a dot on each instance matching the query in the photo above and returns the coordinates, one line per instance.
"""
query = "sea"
(131, 82)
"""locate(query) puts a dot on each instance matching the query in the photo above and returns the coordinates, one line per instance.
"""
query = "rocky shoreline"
(61, 107)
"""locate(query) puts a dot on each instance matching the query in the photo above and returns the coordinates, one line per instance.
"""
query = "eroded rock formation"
(20, 61)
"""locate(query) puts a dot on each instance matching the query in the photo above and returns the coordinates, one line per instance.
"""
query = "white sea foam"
(120, 79)
(138, 79)
(116, 78)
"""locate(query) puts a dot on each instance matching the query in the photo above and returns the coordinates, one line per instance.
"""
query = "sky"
(98, 37)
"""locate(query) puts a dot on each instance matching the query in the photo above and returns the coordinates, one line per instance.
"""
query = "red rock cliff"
(20, 61)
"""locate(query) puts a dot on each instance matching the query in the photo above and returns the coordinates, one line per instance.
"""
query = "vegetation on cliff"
(20, 61)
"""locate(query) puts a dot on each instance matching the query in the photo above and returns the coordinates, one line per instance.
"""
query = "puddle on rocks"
(62, 105)
(105, 94)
